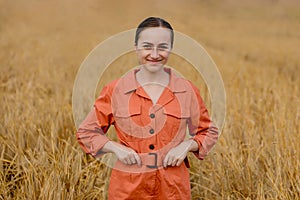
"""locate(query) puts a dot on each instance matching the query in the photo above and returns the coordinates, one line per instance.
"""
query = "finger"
(132, 159)
(179, 161)
(174, 162)
(170, 160)
(165, 162)
(138, 159)
(127, 161)
(124, 161)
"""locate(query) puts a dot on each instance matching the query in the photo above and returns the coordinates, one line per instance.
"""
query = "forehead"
(155, 35)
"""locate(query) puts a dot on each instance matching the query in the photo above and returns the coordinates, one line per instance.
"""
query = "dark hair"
(153, 22)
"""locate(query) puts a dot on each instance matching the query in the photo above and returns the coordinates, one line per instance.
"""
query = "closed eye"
(147, 46)
(162, 47)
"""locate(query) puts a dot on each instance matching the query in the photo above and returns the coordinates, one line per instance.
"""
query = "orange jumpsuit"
(151, 130)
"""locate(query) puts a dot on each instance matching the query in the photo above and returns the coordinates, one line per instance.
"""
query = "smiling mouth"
(154, 61)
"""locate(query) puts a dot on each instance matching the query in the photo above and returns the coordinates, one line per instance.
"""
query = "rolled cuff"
(205, 142)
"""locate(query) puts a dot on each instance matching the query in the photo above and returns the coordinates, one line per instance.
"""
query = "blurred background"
(255, 45)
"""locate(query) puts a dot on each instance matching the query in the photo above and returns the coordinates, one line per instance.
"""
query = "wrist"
(192, 145)
(109, 147)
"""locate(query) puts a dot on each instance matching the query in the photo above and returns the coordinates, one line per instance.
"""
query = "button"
(151, 131)
(152, 115)
(151, 146)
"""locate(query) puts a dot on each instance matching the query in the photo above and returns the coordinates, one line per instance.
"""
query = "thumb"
(138, 159)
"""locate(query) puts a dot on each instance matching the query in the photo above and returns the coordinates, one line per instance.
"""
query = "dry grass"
(255, 45)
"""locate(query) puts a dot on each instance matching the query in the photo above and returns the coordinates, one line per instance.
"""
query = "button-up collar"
(132, 85)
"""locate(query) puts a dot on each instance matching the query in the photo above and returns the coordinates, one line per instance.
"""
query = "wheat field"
(255, 44)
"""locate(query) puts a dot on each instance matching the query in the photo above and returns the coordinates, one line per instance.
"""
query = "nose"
(154, 53)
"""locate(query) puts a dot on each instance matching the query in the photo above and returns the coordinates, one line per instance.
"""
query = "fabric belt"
(150, 161)
(154, 160)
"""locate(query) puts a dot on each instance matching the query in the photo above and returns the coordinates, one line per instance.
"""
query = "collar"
(130, 84)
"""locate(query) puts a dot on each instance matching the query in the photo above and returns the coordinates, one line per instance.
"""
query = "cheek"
(165, 55)
(141, 56)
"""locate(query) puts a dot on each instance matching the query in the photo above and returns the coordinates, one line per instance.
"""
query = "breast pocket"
(126, 121)
(176, 123)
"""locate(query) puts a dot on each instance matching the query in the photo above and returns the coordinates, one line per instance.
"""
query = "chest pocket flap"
(177, 112)
(125, 112)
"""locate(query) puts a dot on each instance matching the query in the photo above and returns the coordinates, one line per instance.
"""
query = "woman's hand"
(125, 154)
(177, 154)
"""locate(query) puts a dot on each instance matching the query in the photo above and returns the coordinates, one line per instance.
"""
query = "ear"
(136, 49)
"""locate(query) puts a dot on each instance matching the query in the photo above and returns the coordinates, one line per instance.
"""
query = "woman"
(150, 108)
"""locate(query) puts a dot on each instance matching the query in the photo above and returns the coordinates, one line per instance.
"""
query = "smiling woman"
(151, 108)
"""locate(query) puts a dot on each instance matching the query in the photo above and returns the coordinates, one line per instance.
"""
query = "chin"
(153, 68)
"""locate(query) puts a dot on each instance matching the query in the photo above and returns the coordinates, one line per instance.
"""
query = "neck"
(144, 76)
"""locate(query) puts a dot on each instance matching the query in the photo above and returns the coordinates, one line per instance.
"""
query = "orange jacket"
(151, 130)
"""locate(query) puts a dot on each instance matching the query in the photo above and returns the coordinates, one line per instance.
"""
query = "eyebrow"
(158, 44)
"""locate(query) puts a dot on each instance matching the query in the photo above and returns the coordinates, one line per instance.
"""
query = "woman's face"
(153, 48)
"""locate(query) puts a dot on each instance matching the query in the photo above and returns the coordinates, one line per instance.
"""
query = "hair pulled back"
(152, 22)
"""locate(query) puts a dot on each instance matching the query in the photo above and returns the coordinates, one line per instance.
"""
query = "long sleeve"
(204, 132)
(91, 132)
